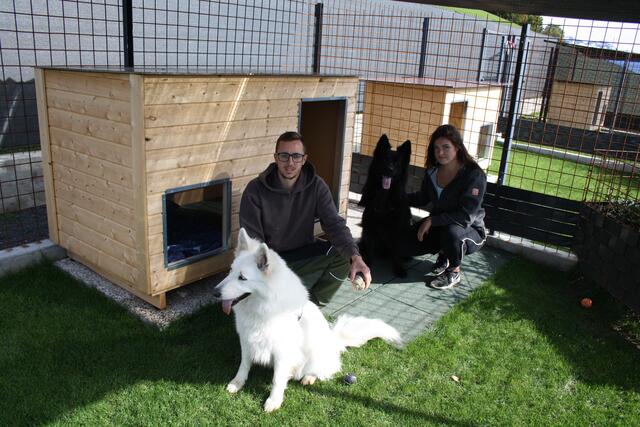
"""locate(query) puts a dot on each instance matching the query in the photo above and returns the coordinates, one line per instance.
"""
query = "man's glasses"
(284, 157)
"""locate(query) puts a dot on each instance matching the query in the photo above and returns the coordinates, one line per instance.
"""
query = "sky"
(621, 36)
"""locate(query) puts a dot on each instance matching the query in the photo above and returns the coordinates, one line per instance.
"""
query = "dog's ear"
(243, 241)
(405, 151)
(383, 145)
(262, 257)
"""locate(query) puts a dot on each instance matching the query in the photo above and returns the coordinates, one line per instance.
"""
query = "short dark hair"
(452, 134)
(290, 136)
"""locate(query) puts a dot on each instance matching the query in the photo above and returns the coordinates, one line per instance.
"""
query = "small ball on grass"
(350, 379)
(586, 302)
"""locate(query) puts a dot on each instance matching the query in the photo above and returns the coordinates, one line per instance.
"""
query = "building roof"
(435, 82)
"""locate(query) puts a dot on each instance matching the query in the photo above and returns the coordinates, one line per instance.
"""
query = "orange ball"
(586, 302)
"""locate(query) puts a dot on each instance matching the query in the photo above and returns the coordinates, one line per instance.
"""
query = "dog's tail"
(355, 331)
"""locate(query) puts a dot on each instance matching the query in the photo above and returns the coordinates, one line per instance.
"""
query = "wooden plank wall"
(402, 112)
(574, 104)
(199, 129)
(483, 105)
(89, 126)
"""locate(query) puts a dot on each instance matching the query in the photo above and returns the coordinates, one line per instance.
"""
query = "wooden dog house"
(412, 108)
(578, 104)
(136, 160)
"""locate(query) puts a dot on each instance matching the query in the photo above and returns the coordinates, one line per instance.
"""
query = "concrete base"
(14, 259)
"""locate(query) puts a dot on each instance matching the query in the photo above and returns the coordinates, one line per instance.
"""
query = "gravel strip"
(180, 302)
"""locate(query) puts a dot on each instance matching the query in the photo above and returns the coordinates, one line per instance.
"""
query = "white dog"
(278, 325)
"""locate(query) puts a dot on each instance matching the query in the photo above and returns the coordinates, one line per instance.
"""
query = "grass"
(554, 176)
(481, 14)
(525, 352)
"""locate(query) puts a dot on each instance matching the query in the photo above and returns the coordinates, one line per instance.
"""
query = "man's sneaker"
(440, 266)
(447, 280)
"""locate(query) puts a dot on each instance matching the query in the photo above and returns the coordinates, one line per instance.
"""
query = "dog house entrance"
(458, 115)
(322, 125)
(197, 222)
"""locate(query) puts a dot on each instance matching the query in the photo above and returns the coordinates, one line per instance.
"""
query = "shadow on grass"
(420, 418)
(550, 299)
(66, 346)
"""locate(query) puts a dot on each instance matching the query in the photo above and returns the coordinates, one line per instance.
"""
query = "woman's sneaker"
(440, 266)
(447, 280)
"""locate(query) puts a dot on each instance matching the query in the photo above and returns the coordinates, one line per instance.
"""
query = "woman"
(452, 192)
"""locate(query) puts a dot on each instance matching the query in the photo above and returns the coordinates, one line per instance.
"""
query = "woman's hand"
(424, 228)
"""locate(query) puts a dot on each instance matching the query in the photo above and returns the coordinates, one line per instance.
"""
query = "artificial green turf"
(556, 176)
(524, 350)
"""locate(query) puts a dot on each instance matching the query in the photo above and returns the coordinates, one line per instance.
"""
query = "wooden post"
(45, 146)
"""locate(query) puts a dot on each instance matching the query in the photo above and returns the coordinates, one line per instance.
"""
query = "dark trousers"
(452, 240)
(321, 268)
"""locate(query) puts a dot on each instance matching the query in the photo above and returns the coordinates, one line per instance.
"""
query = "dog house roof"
(434, 82)
(603, 84)
(177, 71)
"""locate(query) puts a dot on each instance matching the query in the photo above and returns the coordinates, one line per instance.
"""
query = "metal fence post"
(548, 83)
(619, 91)
(127, 32)
(484, 36)
(514, 106)
(317, 38)
(423, 47)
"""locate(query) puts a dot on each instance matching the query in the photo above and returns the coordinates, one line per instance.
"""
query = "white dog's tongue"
(226, 306)
(386, 182)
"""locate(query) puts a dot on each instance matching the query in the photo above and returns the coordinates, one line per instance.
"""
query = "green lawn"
(481, 14)
(555, 176)
(525, 352)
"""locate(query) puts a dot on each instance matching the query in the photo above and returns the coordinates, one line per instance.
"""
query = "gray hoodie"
(285, 220)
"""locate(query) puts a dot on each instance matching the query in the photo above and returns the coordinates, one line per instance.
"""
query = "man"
(280, 206)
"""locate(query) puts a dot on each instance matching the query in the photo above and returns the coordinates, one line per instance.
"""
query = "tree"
(554, 30)
(534, 21)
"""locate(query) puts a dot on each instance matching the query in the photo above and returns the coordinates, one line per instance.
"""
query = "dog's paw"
(233, 387)
(308, 380)
(272, 404)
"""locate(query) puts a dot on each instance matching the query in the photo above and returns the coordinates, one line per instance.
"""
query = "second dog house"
(412, 108)
(144, 170)
(578, 105)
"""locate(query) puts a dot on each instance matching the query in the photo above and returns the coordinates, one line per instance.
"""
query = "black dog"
(386, 219)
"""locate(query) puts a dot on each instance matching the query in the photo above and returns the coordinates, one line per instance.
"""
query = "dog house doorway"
(458, 115)
(197, 222)
(322, 125)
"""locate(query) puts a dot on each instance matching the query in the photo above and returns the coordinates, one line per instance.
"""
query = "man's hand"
(424, 228)
(358, 266)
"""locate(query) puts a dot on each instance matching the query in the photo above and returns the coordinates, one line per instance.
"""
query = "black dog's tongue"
(386, 182)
